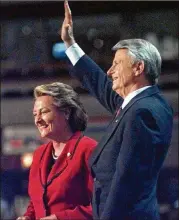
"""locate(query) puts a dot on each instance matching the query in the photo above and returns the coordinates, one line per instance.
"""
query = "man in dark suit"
(126, 163)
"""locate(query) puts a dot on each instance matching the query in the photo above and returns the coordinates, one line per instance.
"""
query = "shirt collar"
(132, 95)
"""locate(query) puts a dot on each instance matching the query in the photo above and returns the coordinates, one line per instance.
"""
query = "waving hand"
(67, 26)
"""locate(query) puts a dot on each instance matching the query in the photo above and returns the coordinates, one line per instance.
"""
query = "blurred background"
(32, 53)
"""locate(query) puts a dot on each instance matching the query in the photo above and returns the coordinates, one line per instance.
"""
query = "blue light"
(58, 51)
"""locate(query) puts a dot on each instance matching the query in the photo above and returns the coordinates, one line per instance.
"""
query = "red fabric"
(69, 194)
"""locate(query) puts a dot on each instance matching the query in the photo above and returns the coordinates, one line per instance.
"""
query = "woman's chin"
(43, 135)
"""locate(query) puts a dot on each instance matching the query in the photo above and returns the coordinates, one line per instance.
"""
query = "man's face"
(122, 72)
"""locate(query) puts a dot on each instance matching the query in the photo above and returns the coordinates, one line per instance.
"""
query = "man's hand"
(67, 26)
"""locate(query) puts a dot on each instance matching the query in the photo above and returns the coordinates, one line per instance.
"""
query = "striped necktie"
(118, 112)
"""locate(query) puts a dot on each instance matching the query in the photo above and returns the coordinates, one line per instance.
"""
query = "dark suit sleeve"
(136, 164)
(96, 82)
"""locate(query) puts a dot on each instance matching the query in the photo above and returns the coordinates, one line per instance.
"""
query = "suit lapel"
(59, 166)
(108, 133)
(116, 121)
(66, 155)
(45, 161)
(47, 174)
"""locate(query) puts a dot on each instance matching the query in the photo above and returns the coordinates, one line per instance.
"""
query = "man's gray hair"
(142, 50)
(66, 99)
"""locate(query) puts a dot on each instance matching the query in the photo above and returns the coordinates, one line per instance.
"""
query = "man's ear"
(139, 68)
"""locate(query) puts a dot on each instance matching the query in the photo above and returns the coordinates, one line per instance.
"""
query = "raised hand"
(67, 26)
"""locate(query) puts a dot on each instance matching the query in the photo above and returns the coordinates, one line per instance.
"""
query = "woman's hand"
(23, 218)
(50, 217)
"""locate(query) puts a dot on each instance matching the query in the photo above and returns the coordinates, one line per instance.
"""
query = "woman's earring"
(67, 117)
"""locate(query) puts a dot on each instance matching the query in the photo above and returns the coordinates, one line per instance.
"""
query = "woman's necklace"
(54, 156)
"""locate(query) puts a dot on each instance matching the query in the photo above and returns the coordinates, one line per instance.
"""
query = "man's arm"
(86, 70)
(67, 27)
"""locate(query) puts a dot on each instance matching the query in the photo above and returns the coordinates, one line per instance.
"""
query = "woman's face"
(50, 121)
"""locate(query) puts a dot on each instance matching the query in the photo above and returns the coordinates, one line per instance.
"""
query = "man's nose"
(110, 70)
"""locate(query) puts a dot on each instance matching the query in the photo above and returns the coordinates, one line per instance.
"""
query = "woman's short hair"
(66, 99)
(142, 50)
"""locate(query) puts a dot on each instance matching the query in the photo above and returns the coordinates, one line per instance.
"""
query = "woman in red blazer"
(60, 184)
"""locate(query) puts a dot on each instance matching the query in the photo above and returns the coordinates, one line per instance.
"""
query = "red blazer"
(66, 189)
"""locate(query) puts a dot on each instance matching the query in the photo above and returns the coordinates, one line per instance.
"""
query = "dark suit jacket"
(66, 189)
(126, 163)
